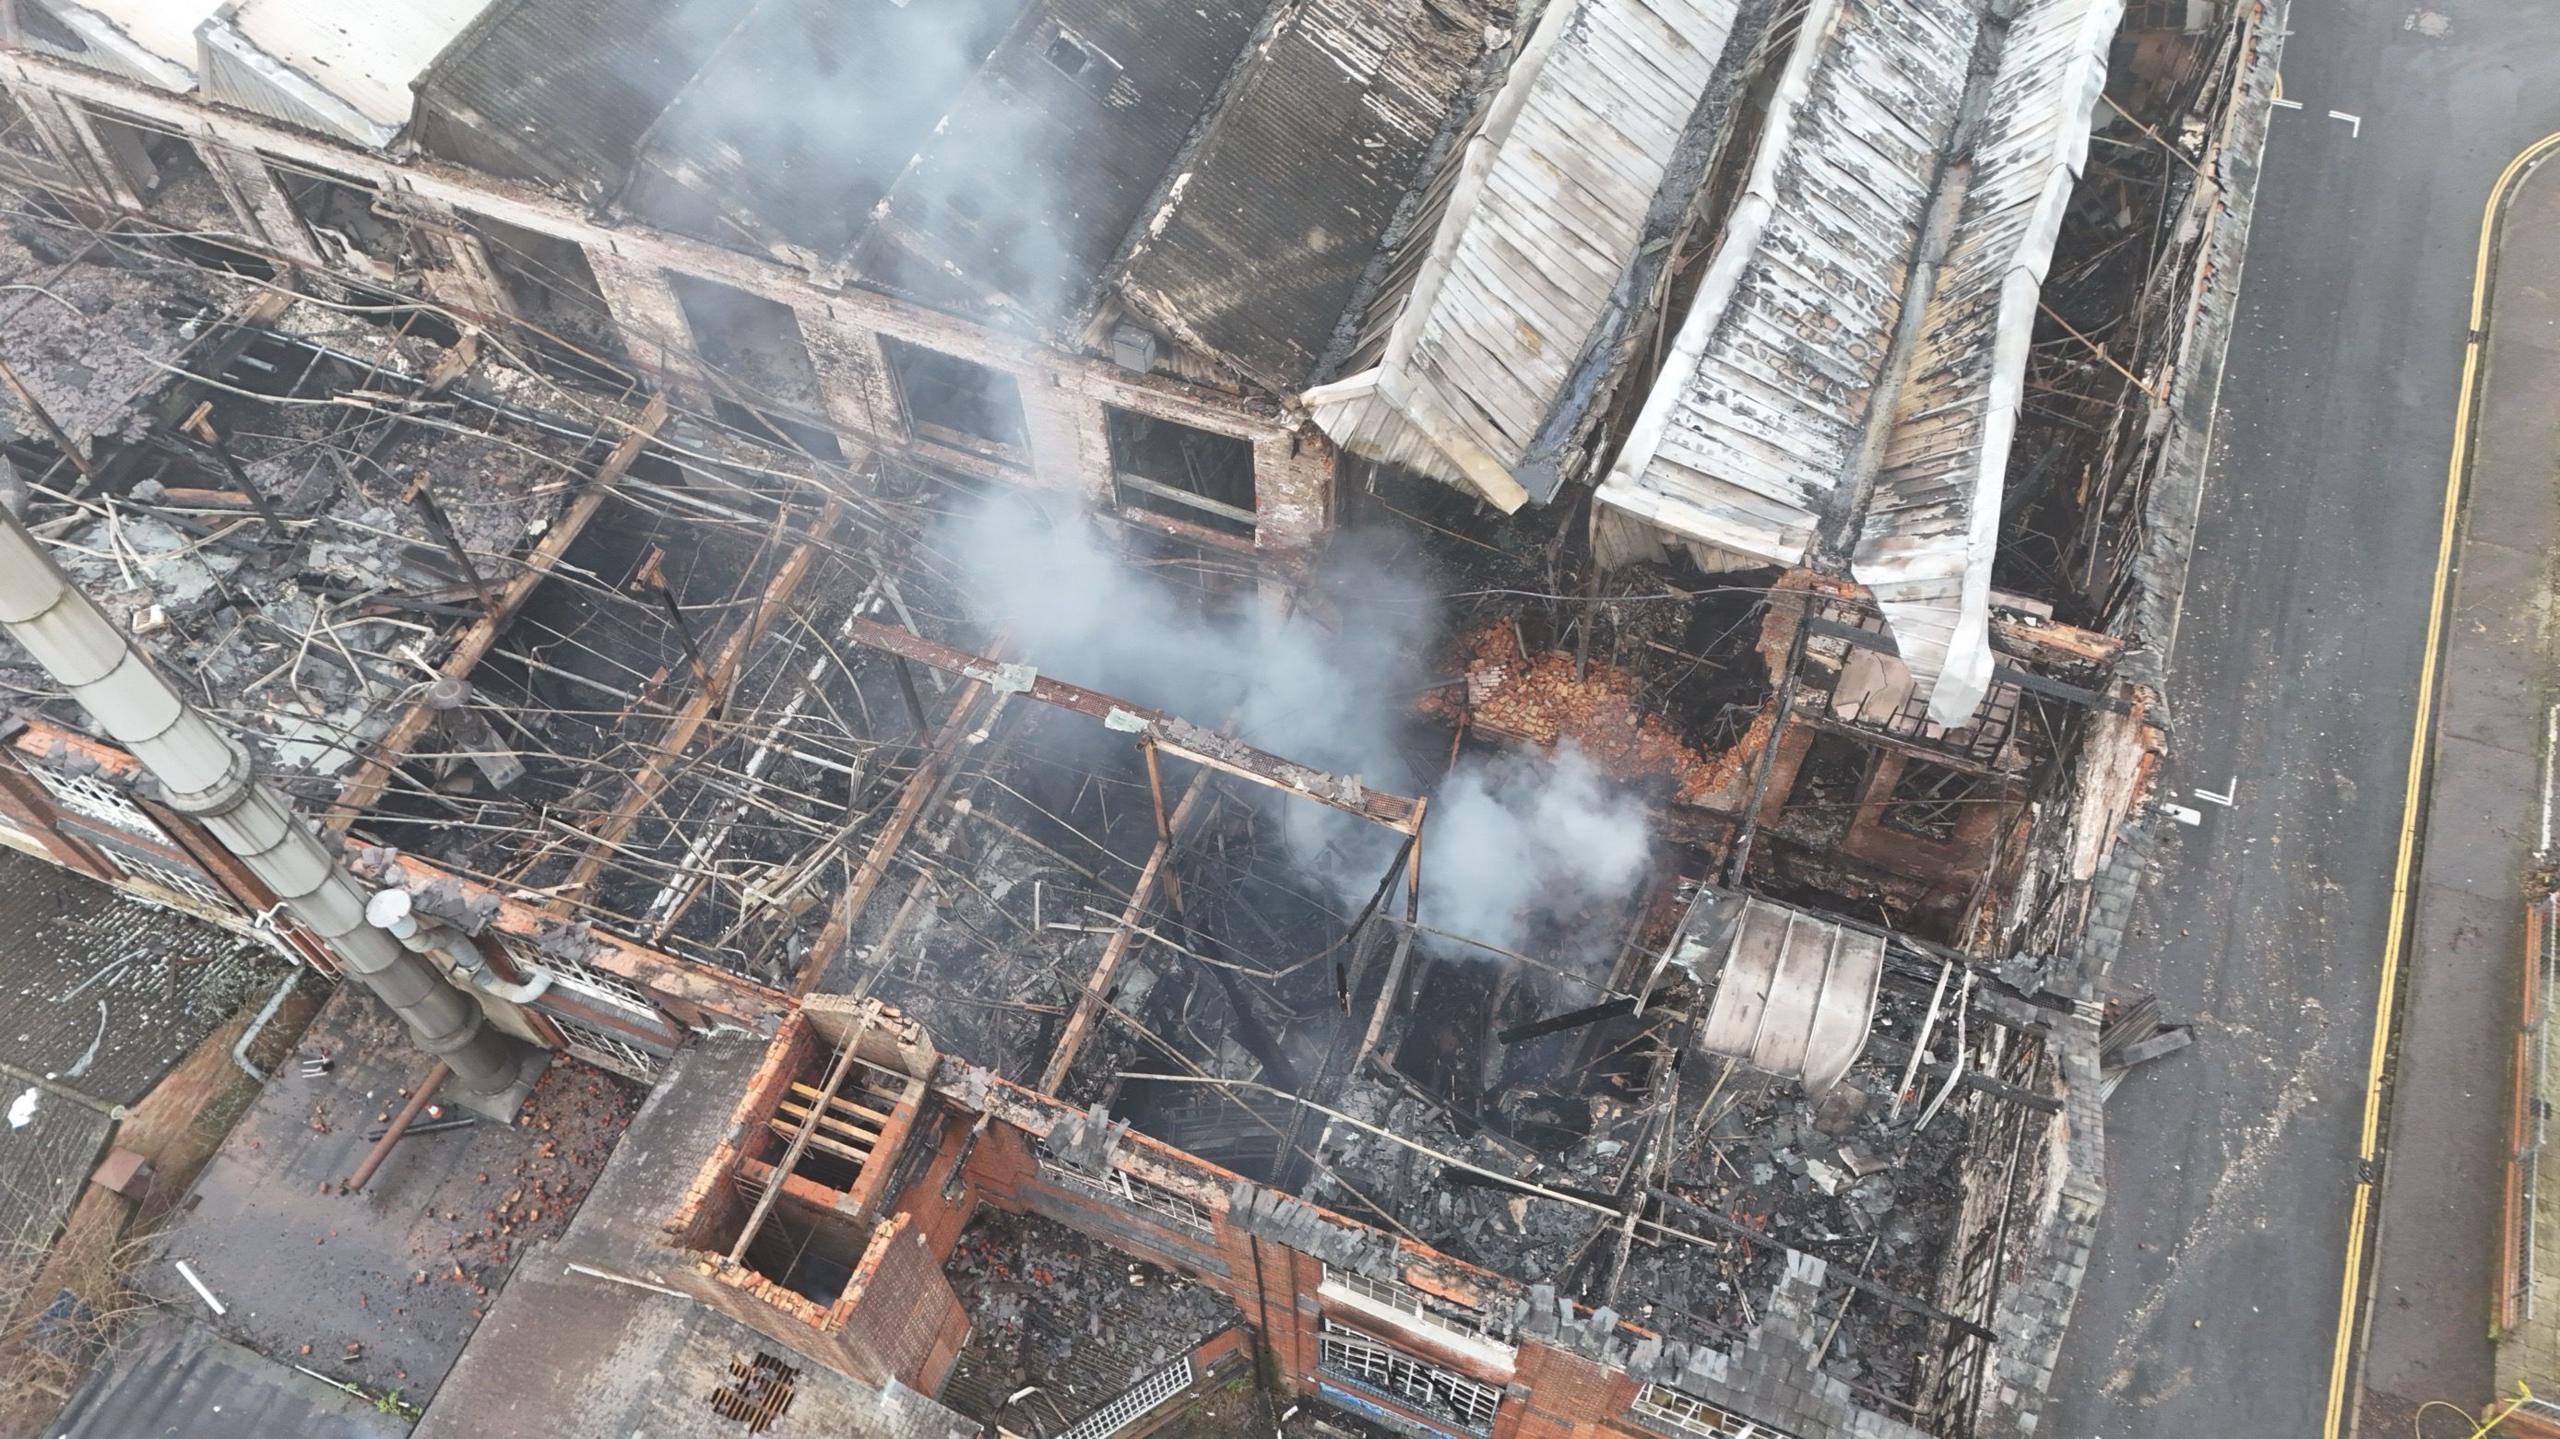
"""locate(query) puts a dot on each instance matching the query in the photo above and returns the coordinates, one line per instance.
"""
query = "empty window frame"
(1668, 1411)
(1181, 471)
(765, 382)
(18, 133)
(1363, 1363)
(1929, 800)
(958, 402)
(1832, 777)
(154, 161)
(339, 214)
(550, 286)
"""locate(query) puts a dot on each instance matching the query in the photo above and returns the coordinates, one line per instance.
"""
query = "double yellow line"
(2360, 1220)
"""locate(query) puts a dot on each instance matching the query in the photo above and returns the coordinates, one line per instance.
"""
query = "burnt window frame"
(1175, 497)
(906, 357)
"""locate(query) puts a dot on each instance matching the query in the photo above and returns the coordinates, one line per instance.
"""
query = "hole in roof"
(1068, 57)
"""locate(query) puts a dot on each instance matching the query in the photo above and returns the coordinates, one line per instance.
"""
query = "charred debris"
(1625, 920)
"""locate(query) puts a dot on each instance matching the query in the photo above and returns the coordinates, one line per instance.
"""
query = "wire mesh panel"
(1148, 1395)
(91, 797)
(1363, 1363)
(606, 1051)
(1668, 1411)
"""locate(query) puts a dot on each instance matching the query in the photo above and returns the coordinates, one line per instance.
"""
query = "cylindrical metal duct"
(205, 775)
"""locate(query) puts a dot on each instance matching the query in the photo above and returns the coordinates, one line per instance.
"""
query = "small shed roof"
(152, 41)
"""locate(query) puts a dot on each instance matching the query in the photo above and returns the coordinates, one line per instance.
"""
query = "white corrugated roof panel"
(326, 65)
(1548, 211)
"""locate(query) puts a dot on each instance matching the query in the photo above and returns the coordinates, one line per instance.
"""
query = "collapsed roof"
(1846, 382)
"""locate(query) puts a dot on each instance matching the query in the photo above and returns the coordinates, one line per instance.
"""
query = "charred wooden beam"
(366, 785)
(687, 725)
(1175, 736)
(1097, 986)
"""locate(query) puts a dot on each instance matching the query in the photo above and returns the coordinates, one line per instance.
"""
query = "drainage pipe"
(258, 1026)
(400, 1122)
(205, 775)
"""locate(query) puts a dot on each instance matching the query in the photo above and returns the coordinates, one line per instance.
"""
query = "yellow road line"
(2359, 1219)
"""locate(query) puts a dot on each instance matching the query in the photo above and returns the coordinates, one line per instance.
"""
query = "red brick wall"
(901, 1314)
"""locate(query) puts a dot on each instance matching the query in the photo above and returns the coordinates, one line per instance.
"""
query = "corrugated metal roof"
(1045, 162)
(1270, 220)
(1749, 436)
(323, 65)
(1933, 521)
(103, 993)
(807, 113)
(560, 91)
(1547, 211)
(151, 41)
(1759, 440)
(173, 1379)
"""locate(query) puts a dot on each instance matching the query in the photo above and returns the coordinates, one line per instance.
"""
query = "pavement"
(2437, 1267)
(2211, 1304)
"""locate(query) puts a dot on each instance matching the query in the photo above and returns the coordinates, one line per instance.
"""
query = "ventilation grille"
(758, 1392)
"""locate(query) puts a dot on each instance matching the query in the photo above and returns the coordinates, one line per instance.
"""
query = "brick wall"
(905, 1318)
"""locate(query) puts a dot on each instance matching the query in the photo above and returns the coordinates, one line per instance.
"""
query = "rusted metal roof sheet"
(1547, 210)
(1933, 520)
(1795, 993)
(1751, 433)
(1267, 225)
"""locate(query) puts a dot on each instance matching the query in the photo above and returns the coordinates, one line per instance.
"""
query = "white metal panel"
(1753, 429)
(1932, 525)
(1548, 211)
(327, 65)
(1795, 993)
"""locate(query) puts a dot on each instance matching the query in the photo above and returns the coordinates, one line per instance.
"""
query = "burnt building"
(1434, 712)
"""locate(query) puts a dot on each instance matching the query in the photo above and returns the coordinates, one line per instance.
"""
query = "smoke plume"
(1509, 840)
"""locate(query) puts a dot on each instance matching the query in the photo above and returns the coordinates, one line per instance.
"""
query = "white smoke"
(1508, 839)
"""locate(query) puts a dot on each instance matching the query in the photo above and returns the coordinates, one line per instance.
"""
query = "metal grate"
(1130, 1193)
(1412, 1303)
(1364, 1363)
(90, 797)
(186, 882)
(604, 1051)
(759, 1391)
(1668, 1411)
(530, 956)
(1148, 1395)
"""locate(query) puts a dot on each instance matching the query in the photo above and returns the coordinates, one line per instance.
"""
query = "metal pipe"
(204, 774)
(258, 1026)
(417, 1105)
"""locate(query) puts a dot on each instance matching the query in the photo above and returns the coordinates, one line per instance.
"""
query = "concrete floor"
(2212, 1301)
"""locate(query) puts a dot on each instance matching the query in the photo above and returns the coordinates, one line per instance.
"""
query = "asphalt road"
(2211, 1304)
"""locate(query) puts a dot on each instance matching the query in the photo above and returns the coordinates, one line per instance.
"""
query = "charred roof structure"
(1440, 705)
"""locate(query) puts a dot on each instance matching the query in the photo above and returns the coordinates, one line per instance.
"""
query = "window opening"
(1181, 471)
(958, 402)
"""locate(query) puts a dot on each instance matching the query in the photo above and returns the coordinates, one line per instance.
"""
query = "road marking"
(2359, 1218)
(2356, 120)
(2284, 104)
(2550, 773)
(2230, 793)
